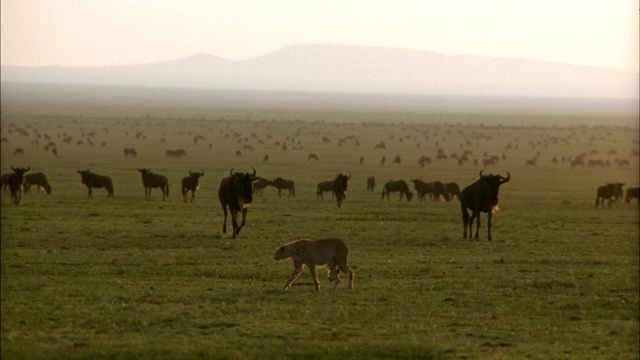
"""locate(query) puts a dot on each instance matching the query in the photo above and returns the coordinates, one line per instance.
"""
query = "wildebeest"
(340, 187)
(93, 180)
(632, 193)
(190, 183)
(398, 185)
(610, 191)
(259, 184)
(325, 186)
(481, 196)
(4, 181)
(452, 189)
(280, 184)
(39, 180)
(235, 193)
(152, 180)
(421, 188)
(371, 183)
(130, 151)
(15, 183)
(176, 153)
(313, 157)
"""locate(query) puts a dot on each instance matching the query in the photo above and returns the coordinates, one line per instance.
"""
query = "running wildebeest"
(481, 196)
(610, 191)
(190, 183)
(325, 186)
(93, 180)
(340, 187)
(259, 185)
(632, 193)
(130, 151)
(235, 193)
(15, 183)
(280, 184)
(399, 185)
(37, 179)
(371, 183)
(152, 180)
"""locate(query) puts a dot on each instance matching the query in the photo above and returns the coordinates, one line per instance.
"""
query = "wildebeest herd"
(236, 191)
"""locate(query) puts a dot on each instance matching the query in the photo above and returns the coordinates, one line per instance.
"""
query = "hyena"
(312, 253)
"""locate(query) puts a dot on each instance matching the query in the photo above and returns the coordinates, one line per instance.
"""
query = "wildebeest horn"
(481, 173)
(190, 172)
(202, 173)
(12, 168)
(231, 172)
(349, 176)
(254, 171)
(504, 180)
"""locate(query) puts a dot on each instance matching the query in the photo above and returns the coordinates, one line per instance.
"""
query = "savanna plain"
(127, 278)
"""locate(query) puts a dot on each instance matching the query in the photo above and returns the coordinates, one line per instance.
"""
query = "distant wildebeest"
(452, 190)
(130, 151)
(317, 253)
(283, 184)
(39, 180)
(397, 186)
(18, 151)
(324, 186)
(190, 183)
(421, 188)
(176, 153)
(259, 184)
(424, 160)
(371, 183)
(265, 158)
(151, 180)
(93, 180)
(397, 160)
(15, 181)
(361, 159)
(313, 157)
(340, 187)
(235, 193)
(479, 197)
(437, 190)
(632, 193)
(611, 192)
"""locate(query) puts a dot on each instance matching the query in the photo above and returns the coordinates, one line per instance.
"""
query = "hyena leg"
(334, 275)
(314, 275)
(345, 268)
(296, 272)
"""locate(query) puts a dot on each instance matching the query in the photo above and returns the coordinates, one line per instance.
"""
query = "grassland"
(127, 278)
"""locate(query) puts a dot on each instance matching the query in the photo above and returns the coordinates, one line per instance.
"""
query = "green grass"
(127, 278)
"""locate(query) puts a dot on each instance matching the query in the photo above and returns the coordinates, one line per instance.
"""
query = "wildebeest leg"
(465, 222)
(234, 221)
(90, 194)
(224, 224)
(475, 214)
(184, 194)
(296, 272)
(244, 216)
(279, 192)
(314, 276)
(193, 195)
(489, 215)
(345, 268)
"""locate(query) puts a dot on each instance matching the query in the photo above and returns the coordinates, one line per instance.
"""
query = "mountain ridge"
(353, 69)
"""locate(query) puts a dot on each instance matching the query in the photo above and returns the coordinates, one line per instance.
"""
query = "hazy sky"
(108, 32)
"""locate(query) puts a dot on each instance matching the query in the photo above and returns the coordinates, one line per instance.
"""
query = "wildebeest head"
(20, 170)
(196, 175)
(494, 181)
(144, 172)
(85, 175)
(245, 182)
